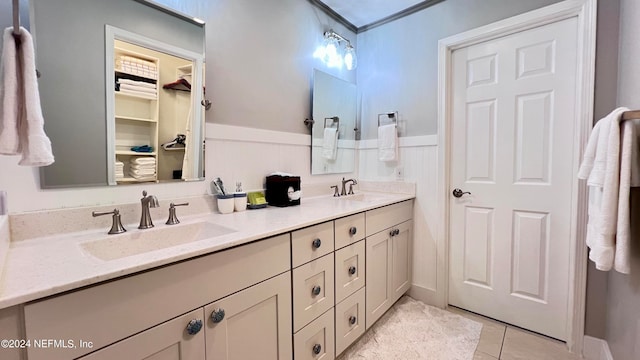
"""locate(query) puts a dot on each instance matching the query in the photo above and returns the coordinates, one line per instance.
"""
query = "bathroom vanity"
(302, 282)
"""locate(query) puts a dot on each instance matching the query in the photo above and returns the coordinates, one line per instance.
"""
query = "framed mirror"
(333, 135)
(80, 108)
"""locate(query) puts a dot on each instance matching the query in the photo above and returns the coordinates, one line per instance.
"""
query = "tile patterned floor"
(504, 342)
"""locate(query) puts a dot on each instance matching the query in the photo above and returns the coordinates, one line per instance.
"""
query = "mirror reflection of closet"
(153, 108)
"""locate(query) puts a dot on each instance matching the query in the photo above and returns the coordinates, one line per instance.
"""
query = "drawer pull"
(352, 270)
(352, 320)
(316, 290)
(217, 315)
(353, 230)
(317, 348)
(316, 243)
(394, 232)
(194, 326)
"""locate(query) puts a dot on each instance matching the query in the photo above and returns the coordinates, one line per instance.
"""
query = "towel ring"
(393, 116)
(334, 119)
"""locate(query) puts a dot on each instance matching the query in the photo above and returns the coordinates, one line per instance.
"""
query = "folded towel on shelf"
(330, 143)
(143, 167)
(143, 160)
(142, 148)
(22, 123)
(138, 88)
(388, 143)
(138, 83)
(138, 93)
(142, 172)
(143, 177)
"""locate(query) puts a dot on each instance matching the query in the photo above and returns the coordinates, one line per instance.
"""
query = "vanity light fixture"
(330, 52)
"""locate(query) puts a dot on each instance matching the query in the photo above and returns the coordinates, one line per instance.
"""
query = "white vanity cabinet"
(106, 313)
(388, 251)
(252, 324)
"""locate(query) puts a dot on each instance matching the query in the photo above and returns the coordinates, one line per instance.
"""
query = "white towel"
(139, 93)
(137, 83)
(142, 172)
(609, 181)
(143, 167)
(34, 144)
(387, 143)
(330, 143)
(138, 88)
(143, 160)
(9, 99)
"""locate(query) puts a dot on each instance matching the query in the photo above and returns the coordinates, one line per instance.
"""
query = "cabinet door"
(401, 259)
(254, 323)
(316, 341)
(167, 341)
(378, 275)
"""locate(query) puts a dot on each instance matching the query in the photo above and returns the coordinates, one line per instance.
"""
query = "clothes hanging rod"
(16, 17)
(630, 115)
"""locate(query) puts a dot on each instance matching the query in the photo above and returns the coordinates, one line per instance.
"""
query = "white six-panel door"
(512, 136)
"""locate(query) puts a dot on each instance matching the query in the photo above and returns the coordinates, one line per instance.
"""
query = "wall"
(259, 71)
(623, 291)
(605, 100)
(398, 62)
(400, 72)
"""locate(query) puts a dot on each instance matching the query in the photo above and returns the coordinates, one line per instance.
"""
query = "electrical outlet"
(399, 173)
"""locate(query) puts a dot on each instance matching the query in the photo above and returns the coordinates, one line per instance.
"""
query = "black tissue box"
(278, 188)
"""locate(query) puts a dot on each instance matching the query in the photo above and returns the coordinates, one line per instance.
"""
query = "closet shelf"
(174, 149)
(131, 118)
(135, 76)
(133, 180)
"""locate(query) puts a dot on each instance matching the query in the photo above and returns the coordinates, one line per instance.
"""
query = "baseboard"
(423, 294)
(596, 349)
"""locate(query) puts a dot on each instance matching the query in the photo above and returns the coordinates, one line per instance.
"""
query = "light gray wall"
(70, 43)
(260, 63)
(398, 62)
(623, 292)
(605, 100)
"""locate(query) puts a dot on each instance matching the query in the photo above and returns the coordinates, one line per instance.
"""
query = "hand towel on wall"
(607, 167)
(23, 122)
(387, 142)
(330, 143)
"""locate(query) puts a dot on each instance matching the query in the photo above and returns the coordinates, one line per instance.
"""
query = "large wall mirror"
(121, 87)
(333, 135)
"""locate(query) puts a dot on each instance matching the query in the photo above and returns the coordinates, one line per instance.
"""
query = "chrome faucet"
(344, 190)
(147, 202)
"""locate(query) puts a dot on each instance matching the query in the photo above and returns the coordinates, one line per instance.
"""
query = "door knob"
(458, 193)
(316, 243)
(352, 320)
(353, 230)
(316, 290)
(352, 270)
(317, 348)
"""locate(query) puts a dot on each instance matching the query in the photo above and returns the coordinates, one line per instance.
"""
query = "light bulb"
(350, 59)
(330, 50)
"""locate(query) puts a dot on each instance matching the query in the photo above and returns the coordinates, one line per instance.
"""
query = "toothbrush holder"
(240, 201)
(225, 203)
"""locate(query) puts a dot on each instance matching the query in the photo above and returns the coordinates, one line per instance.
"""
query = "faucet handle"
(351, 188)
(335, 192)
(116, 224)
(173, 219)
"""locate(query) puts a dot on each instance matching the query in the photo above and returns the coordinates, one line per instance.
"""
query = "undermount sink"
(112, 247)
(361, 197)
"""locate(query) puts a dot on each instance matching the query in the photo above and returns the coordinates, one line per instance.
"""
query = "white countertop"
(46, 266)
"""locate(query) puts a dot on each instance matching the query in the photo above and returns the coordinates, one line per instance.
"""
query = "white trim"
(585, 11)
(407, 141)
(596, 349)
(239, 133)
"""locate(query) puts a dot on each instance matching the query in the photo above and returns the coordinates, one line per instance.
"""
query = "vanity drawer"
(350, 322)
(114, 310)
(311, 243)
(350, 265)
(349, 230)
(388, 216)
(312, 290)
(316, 340)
